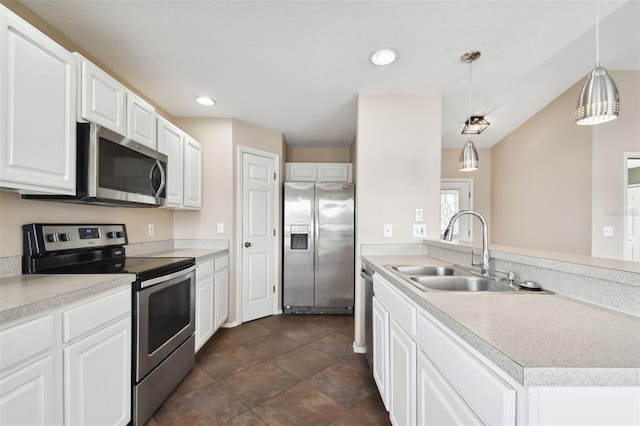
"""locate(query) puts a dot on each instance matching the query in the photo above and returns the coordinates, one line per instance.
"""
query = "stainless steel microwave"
(115, 171)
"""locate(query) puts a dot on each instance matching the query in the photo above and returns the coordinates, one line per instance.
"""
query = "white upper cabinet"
(184, 181)
(141, 121)
(102, 98)
(170, 142)
(37, 110)
(318, 172)
(192, 173)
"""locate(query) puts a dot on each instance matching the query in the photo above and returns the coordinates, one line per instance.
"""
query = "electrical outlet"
(220, 228)
(608, 231)
(152, 230)
(388, 231)
(419, 230)
(419, 216)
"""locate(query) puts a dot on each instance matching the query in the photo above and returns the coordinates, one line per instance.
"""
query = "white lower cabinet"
(205, 303)
(71, 365)
(381, 349)
(97, 377)
(212, 298)
(402, 375)
(27, 396)
(438, 403)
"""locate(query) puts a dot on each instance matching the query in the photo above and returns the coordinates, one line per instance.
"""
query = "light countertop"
(538, 339)
(25, 295)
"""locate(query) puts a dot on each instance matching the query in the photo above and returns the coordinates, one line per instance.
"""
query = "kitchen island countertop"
(538, 339)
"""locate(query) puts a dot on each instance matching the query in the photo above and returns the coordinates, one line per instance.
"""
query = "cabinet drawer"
(489, 396)
(399, 307)
(25, 340)
(92, 315)
(204, 269)
(222, 262)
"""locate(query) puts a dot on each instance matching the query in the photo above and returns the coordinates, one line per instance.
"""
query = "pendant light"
(598, 101)
(469, 155)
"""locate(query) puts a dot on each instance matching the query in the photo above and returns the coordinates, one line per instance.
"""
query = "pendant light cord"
(469, 106)
(597, 35)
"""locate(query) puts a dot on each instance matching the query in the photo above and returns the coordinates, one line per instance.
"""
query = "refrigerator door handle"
(316, 237)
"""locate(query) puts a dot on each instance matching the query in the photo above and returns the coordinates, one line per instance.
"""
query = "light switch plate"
(419, 230)
(608, 231)
(220, 228)
(388, 231)
(418, 216)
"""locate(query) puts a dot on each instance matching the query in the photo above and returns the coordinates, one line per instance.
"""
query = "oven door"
(164, 310)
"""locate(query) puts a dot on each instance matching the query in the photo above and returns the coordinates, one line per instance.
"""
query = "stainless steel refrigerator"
(318, 273)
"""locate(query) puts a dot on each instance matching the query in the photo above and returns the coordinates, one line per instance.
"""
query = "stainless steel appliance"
(114, 171)
(318, 272)
(163, 305)
(367, 284)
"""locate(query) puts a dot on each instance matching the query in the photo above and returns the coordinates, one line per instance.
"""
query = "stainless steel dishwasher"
(367, 282)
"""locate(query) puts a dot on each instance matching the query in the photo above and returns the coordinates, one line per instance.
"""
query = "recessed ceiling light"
(384, 56)
(205, 100)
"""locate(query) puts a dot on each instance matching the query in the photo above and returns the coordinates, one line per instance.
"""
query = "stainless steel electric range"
(163, 300)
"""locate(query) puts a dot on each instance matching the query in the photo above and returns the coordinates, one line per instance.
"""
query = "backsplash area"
(611, 284)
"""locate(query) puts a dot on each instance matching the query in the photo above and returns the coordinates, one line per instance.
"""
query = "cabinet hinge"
(274, 232)
(274, 288)
(274, 176)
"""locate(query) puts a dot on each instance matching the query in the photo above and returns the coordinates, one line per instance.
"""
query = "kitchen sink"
(425, 270)
(459, 283)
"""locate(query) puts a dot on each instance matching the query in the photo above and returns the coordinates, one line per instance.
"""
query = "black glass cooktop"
(142, 267)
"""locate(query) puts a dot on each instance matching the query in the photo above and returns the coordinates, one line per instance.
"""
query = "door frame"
(468, 181)
(238, 229)
(627, 156)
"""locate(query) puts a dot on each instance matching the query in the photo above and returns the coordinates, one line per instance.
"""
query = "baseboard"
(359, 349)
(231, 324)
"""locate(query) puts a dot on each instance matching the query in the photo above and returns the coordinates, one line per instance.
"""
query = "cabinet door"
(301, 172)
(204, 310)
(438, 403)
(37, 110)
(141, 121)
(192, 173)
(221, 297)
(380, 349)
(27, 397)
(97, 377)
(170, 142)
(402, 375)
(102, 98)
(334, 172)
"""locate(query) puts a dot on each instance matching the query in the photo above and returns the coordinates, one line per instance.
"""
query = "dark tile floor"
(279, 370)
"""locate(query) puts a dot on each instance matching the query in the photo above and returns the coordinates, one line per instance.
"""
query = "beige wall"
(15, 212)
(555, 184)
(610, 142)
(220, 139)
(541, 182)
(398, 170)
(318, 154)
(481, 182)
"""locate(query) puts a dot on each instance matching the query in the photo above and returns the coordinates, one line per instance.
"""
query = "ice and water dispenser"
(299, 237)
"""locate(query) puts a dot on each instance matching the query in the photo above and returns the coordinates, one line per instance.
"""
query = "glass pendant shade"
(469, 157)
(598, 101)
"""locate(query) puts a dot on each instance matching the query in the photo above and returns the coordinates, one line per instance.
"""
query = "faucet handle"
(511, 277)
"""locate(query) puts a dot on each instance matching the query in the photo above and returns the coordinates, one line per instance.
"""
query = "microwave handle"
(162, 178)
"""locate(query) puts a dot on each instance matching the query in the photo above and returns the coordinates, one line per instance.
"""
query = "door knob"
(247, 244)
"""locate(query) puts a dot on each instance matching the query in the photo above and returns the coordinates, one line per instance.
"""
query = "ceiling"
(297, 67)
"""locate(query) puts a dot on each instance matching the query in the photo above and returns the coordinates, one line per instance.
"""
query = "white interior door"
(258, 236)
(632, 225)
(456, 195)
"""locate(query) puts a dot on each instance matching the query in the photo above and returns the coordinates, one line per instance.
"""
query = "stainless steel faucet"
(448, 235)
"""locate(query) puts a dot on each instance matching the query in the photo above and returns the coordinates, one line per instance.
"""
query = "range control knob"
(52, 238)
(65, 237)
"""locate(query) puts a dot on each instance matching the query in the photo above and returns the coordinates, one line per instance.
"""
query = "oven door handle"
(165, 278)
